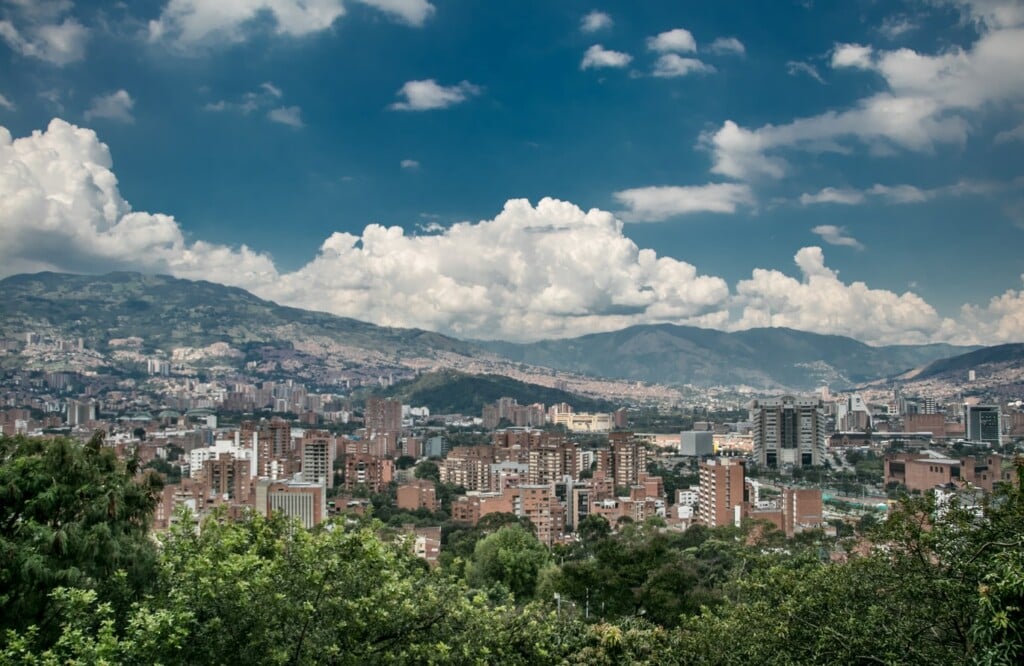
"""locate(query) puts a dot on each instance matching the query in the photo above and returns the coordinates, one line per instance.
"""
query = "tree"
(428, 469)
(71, 515)
(512, 557)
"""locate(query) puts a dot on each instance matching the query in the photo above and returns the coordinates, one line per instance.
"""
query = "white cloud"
(115, 106)
(60, 209)
(286, 115)
(852, 55)
(427, 95)
(266, 98)
(926, 104)
(43, 33)
(654, 204)
(728, 46)
(793, 68)
(678, 40)
(597, 56)
(410, 164)
(1002, 320)
(833, 195)
(820, 302)
(834, 235)
(672, 65)
(271, 89)
(991, 14)
(905, 194)
(895, 27)
(550, 270)
(189, 23)
(1015, 134)
(411, 12)
(595, 21)
(531, 272)
(6, 103)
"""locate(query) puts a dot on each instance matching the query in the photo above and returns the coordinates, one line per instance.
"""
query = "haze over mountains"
(168, 313)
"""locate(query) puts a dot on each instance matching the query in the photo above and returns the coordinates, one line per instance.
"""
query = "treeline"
(82, 583)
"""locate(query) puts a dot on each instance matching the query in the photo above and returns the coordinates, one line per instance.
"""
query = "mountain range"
(168, 313)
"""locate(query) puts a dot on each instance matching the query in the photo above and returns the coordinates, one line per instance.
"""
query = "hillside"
(451, 392)
(167, 312)
(981, 360)
(164, 313)
(764, 357)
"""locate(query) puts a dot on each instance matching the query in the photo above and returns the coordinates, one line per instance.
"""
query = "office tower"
(983, 423)
(788, 431)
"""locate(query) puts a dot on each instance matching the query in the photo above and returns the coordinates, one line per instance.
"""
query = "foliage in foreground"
(946, 589)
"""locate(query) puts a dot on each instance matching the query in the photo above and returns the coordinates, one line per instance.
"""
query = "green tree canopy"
(71, 515)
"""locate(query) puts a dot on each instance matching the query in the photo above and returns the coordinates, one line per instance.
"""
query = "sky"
(533, 169)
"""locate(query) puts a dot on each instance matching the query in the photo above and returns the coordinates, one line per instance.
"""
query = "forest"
(83, 581)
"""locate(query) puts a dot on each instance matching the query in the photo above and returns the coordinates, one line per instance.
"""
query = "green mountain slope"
(450, 392)
(764, 357)
(1005, 356)
(167, 312)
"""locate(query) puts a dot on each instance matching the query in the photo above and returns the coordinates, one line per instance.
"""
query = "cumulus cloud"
(657, 203)
(678, 40)
(428, 95)
(115, 106)
(60, 209)
(672, 65)
(925, 104)
(728, 46)
(597, 57)
(42, 30)
(410, 164)
(595, 21)
(533, 271)
(821, 303)
(834, 235)
(852, 55)
(286, 115)
(1002, 320)
(189, 23)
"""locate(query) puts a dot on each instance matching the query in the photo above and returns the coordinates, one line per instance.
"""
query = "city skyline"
(533, 171)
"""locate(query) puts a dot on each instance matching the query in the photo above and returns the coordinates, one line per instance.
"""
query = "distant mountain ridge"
(170, 313)
(760, 357)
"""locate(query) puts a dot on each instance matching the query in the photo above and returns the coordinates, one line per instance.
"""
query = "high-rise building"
(628, 458)
(272, 443)
(720, 496)
(983, 423)
(318, 452)
(383, 415)
(788, 431)
(80, 412)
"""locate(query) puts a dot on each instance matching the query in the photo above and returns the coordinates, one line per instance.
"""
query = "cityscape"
(441, 332)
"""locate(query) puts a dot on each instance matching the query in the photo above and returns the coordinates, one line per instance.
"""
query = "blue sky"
(850, 168)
